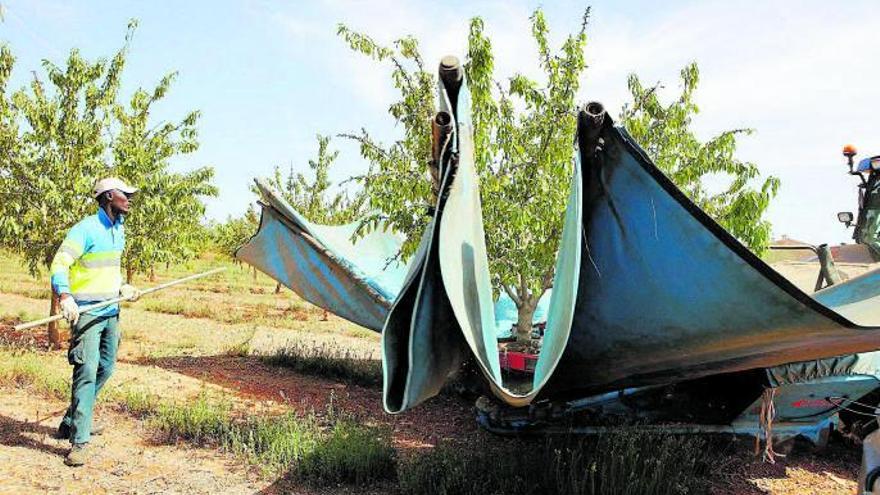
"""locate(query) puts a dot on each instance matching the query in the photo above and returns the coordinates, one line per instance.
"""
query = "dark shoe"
(62, 433)
(78, 455)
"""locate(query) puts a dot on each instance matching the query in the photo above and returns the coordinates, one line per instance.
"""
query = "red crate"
(522, 362)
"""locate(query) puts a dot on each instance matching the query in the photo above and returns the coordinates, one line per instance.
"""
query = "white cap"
(110, 183)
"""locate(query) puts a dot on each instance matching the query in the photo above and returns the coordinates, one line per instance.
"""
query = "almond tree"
(228, 236)
(46, 185)
(311, 196)
(523, 138)
(166, 224)
(65, 130)
(398, 182)
(664, 131)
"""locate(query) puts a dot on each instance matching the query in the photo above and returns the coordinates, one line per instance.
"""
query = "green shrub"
(346, 452)
(201, 422)
(275, 443)
(243, 348)
(328, 361)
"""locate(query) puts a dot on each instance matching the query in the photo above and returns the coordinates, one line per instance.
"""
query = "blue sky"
(268, 76)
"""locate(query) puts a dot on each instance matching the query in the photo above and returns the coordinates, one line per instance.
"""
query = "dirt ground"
(130, 462)
(177, 356)
(125, 460)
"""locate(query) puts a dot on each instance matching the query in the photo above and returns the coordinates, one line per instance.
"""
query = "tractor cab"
(867, 222)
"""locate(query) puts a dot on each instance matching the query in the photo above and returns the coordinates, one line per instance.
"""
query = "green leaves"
(523, 131)
(228, 236)
(310, 197)
(665, 133)
(397, 184)
(54, 133)
(523, 142)
(63, 133)
(165, 225)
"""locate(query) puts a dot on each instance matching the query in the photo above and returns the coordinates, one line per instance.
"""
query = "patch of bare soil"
(26, 339)
(833, 471)
(124, 460)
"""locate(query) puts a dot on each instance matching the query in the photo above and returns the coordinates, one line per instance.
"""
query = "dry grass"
(234, 296)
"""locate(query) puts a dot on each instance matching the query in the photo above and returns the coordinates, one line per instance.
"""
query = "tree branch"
(365, 141)
(547, 280)
(512, 295)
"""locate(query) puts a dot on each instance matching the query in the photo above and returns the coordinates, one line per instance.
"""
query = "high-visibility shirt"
(88, 263)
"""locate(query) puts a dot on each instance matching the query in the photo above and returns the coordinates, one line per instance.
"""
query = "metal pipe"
(590, 120)
(441, 132)
(793, 248)
(441, 128)
(451, 75)
(116, 300)
(869, 474)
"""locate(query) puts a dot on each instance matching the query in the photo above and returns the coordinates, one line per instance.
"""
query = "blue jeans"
(93, 344)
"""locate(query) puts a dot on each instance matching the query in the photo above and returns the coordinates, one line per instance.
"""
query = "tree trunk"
(525, 314)
(278, 288)
(129, 273)
(152, 274)
(54, 333)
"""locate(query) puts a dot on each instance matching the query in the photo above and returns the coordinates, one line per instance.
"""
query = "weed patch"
(275, 443)
(328, 361)
(33, 291)
(137, 403)
(351, 454)
(624, 462)
(201, 422)
(189, 308)
(243, 348)
(344, 452)
(25, 368)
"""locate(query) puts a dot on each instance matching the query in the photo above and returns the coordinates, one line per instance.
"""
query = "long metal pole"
(91, 307)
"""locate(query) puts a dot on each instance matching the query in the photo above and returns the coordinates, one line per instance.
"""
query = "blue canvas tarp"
(648, 288)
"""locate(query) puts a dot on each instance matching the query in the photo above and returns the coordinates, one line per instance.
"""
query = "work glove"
(129, 293)
(70, 310)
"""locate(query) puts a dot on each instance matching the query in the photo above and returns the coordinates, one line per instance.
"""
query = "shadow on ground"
(16, 433)
(441, 418)
(447, 418)
(740, 471)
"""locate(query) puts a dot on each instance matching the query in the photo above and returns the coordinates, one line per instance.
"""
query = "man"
(86, 270)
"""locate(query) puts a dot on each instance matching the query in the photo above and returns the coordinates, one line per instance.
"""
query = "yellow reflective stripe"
(101, 259)
(68, 251)
(95, 280)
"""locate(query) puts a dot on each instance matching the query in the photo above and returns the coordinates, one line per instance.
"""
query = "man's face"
(119, 201)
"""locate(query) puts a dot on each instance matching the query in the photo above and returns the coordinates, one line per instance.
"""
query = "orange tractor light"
(849, 151)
